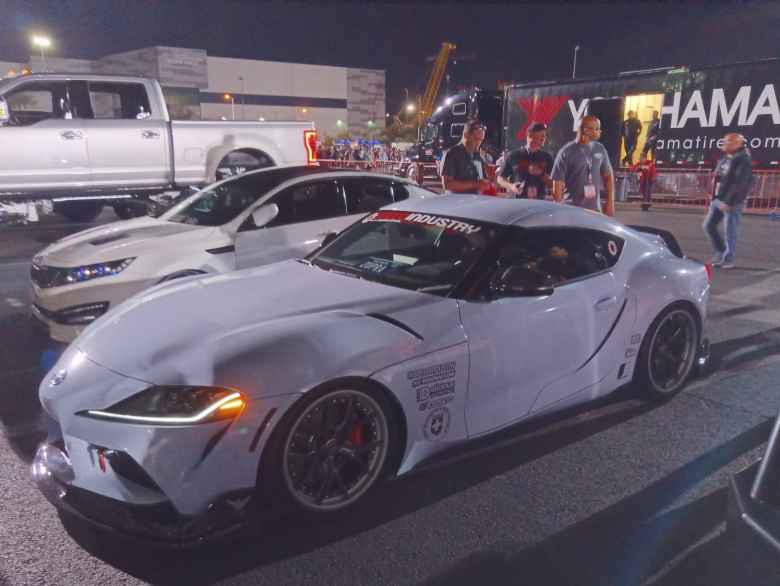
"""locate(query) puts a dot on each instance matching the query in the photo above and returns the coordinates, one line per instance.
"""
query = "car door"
(44, 145)
(127, 141)
(308, 211)
(522, 344)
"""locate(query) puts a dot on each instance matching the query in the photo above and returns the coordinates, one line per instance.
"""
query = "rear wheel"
(80, 211)
(238, 162)
(331, 450)
(668, 353)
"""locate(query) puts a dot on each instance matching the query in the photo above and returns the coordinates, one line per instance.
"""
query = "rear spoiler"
(666, 236)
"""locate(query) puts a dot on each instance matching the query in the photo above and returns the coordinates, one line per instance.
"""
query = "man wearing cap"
(462, 169)
(525, 172)
(731, 184)
(582, 170)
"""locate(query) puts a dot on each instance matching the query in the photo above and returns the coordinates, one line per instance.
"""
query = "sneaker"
(728, 264)
(717, 260)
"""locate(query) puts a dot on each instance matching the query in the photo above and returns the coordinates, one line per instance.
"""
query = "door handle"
(606, 303)
(150, 134)
(71, 135)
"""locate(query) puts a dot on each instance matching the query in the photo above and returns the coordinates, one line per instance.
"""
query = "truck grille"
(46, 277)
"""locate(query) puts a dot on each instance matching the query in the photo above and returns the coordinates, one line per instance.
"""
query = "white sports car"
(423, 325)
(256, 218)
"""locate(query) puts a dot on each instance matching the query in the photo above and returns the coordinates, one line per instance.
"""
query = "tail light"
(708, 266)
(310, 142)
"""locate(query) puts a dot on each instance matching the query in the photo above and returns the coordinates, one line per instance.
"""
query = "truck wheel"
(125, 210)
(239, 162)
(80, 211)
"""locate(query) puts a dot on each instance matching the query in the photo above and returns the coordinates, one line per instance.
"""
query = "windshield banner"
(449, 224)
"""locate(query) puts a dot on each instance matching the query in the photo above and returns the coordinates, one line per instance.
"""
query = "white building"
(199, 86)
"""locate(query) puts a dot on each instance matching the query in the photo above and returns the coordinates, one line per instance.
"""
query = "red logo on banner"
(539, 110)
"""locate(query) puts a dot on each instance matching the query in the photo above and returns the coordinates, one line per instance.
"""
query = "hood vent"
(107, 239)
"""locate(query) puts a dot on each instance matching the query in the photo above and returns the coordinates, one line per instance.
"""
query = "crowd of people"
(359, 151)
(581, 174)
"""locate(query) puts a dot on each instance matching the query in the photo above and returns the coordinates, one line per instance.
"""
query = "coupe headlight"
(101, 269)
(175, 405)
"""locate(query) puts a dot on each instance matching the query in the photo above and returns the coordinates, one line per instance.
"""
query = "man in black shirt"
(462, 169)
(653, 133)
(631, 130)
(525, 172)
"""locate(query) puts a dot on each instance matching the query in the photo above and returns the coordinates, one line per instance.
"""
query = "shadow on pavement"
(289, 535)
(629, 541)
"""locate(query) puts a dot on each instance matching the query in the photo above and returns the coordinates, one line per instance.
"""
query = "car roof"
(497, 210)
(290, 172)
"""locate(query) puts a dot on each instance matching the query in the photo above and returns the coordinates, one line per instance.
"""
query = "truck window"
(430, 133)
(36, 101)
(459, 109)
(456, 130)
(119, 101)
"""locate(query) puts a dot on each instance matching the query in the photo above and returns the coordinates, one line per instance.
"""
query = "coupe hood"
(189, 321)
(118, 240)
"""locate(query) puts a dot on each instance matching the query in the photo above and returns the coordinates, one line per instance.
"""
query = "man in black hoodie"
(732, 181)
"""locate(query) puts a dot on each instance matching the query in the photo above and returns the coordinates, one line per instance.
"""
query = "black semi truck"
(696, 105)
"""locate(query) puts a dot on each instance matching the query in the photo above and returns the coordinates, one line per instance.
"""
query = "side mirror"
(265, 214)
(519, 281)
(5, 113)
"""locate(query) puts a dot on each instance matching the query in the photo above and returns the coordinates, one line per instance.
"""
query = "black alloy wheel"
(668, 353)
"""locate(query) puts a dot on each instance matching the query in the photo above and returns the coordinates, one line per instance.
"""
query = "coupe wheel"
(668, 353)
(330, 451)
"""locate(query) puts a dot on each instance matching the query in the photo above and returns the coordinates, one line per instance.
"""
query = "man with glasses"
(462, 169)
(582, 170)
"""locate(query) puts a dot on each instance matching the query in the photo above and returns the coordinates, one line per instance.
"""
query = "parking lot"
(621, 493)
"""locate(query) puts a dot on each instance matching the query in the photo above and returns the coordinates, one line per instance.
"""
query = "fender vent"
(396, 323)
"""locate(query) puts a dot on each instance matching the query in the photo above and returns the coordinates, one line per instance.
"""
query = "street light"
(410, 108)
(43, 43)
(243, 95)
(232, 101)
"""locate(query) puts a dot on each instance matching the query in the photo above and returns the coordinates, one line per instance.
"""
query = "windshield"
(422, 252)
(221, 203)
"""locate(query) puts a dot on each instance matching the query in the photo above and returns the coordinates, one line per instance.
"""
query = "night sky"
(519, 42)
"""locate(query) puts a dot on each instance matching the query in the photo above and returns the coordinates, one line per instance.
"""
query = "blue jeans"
(711, 228)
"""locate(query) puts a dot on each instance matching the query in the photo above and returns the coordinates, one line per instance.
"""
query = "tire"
(668, 353)
(127, 210)
(321, 467)
(239, 162)
(80, 211)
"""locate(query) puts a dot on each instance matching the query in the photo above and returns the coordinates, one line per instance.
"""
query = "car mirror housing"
(518, 281)
(265, 214)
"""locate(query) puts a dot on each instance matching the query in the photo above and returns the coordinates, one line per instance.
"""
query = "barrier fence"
(685, 188)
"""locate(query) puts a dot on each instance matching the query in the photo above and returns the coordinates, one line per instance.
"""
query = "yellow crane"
(434, 82)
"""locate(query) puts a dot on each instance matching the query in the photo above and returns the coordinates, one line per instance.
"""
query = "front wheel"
(80, 211)
(668, 353)
(331, 450)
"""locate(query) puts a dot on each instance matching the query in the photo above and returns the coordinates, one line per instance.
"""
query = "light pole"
(574, 66)
(232, 104)
(42, 43)
(243, 96)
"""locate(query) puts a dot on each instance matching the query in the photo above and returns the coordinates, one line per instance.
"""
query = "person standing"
(462, 169)
(647, 174)
(732, 180)
(525, 172)
(631, 129)
(653, 134)
(582, 170)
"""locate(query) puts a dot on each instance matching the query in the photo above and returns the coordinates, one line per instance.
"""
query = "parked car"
(303, 383)
(256, 218)
(85, 140)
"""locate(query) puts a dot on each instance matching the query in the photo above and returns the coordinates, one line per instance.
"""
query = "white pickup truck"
(82, 141)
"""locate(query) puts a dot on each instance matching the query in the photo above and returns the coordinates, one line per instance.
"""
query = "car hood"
(176, 331)
(130, 238)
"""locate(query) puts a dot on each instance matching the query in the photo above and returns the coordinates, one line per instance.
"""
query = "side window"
(459, 109)
(549, 257)
(367, 195)
(400, 192)
(456, 130)
(307, 202)
(119, 101)
(39, 100)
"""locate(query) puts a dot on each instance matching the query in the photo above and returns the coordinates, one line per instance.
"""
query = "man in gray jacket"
(733, 178)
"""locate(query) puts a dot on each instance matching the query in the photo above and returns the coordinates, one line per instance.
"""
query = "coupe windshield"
(412, 250)
(220, 203)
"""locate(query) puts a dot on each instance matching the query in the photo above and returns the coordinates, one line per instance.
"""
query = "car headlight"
(95, 271)
(175, 405)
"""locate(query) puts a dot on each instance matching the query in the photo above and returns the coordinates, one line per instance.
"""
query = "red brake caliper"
(356, 435)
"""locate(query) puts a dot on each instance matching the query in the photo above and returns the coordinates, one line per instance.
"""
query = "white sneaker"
(729, 264)
(717, 260)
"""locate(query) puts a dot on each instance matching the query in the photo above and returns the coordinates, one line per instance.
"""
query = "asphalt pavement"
(621, 493)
